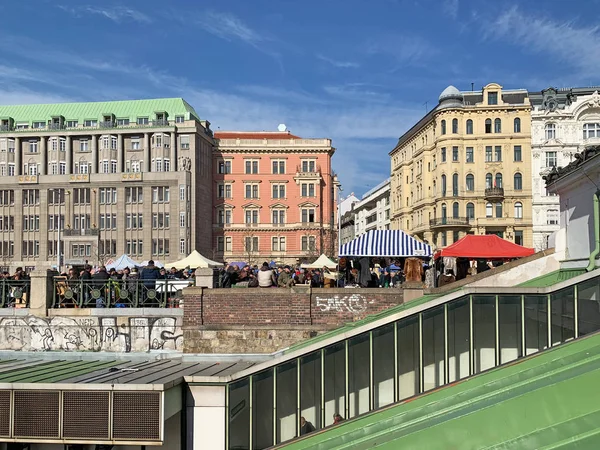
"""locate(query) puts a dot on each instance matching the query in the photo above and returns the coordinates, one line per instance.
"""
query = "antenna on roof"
(282, 127)
(472, 87)
(425, 106)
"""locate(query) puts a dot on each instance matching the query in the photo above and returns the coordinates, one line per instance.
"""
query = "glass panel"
(310, 389)
(588, 301)
(239, 414)
(509, 318)
(335, 382)
(433, 348)
(383, 365)
(286, 401)
(358, 375)
(458, 339)
(536, 323)
(484, 332)
(408, 357)
(262, 409)
(562, 304)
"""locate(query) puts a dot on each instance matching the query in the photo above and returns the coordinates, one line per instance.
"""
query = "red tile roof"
(254, 135)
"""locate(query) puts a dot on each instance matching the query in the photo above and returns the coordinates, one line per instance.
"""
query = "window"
(31, 223)
(551, 159)
(105, 166)
(470, 182)
(134, 194)
(107, 247)
(134, 247)
(251, 166)
(31, 248)
(455, 210)
(142, 121)
(443, 154)
(498, 180)
(38, 125)
(488, 125)
(33, 146)
(122, 122)
(179, 119)
(308, 243)
(251, 243)
(489, 210)
(469, 126)
(278, 244)
(81, 196)
(518, 210)
(470, 155)
(160, 194)
(224, 190)
(492, 98)
(72, 123)
(517, 125)
(519, 237)
(488, 153)
(184, 142)
(251, 191)
(518, 182)
(108, 221)
(309, 165)
(278, 190)
(307, 190)
(62, 144)
(224, 216)
(158, 166)
(161, 220)
(497, 126)
(308, 215)
(454, 126)
(552, 217)
(455, 185)
(160, 246)
(443, 185)
(251, 216)
(443, 126)
(224, 167)
(470, 211)
(591, 130)
(81, 221)
(498, 153)
(53, 144)
(455, 154)
(550, 131)
(518, 156)
(278, 166)
(83, 145)
(7, 197)
(489, 180)
(444, 212)
(90, 123)
(499, 210)
(31, 197)
(278, 216)
(108, 196)
(113, 166)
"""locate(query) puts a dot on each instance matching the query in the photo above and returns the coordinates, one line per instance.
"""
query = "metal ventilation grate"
(5, 413)
(86, 414)
(137, 416)
(37, 414)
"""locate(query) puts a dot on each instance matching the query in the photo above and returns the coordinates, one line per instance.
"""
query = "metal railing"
(494, 192)
(111, 293)
(107, 124)
(80, 232)
(449, 221)
(14, 293)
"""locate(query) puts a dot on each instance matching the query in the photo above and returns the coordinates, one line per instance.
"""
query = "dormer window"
(38, 125)
(492, 98)
(142, 121)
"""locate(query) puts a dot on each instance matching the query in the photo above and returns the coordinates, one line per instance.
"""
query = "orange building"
(274, 197)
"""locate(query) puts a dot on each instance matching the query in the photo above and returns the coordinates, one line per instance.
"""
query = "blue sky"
(359, 72)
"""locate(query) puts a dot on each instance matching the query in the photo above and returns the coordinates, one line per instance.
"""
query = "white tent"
(121, 262)
(156, 263)
(322, 261)
(194, 260)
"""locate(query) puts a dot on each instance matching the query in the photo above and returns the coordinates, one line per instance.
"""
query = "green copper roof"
(550, 400)
(123, 109)
(552, 278)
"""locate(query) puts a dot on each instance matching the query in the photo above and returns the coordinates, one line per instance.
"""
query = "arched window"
(454, 126)
(469, 126)
(489, 210)
(443, 124)
(470, 182)
(444, 212)
(497, 126)
(470, 211)
(488, 180)
(455, 185)
(518, 181)
(499, 210)
(517, 127)
(498, 182)
(550, 131)
(518, 210)
(455, 210)
(488, 125)
(443, 185)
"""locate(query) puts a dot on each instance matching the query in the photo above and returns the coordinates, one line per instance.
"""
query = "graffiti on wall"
(95, 334)
(354, 303)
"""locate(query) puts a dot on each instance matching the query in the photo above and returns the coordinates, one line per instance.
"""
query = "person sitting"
(337, 418)
(306, 427)
(285, 279)
(266, 278)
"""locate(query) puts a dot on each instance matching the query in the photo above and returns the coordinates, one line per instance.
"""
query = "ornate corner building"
(465, 168)
(563, 123)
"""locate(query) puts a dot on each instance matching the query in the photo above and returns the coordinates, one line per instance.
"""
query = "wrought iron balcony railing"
(449, 222)
(14, 293)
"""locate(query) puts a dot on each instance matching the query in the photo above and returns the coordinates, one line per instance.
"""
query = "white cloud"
(561, 41)
(404, 49)
(450, 7)
(338, 63)
(358, 92)
(116, 14)
(228, 27)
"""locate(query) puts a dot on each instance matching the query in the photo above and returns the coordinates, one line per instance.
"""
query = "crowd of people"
(267, 276)
(17, 288)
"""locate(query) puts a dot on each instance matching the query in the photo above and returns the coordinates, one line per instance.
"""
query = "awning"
(193, 261)
(121, 262)
(322, 261)
(385, 243)
(487, 246)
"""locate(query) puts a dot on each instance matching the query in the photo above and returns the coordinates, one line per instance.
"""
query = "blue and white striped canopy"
(391, 243)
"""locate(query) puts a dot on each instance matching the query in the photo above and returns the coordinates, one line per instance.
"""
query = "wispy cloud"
(229, 27)
(450, 7)
(117, 14)
(404, 49)
(564, 41)
(357, 92)
(338, 63)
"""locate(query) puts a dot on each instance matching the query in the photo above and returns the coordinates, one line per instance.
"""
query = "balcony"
(56, 126)
(311, 172)
(451, 222)
(5, 128)
(160, 123)
(77, 232)
(494, 194)
(107, 124)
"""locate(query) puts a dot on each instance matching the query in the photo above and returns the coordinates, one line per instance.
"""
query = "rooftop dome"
(450, 92)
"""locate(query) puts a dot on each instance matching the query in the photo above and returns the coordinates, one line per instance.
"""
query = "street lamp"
(339, 214)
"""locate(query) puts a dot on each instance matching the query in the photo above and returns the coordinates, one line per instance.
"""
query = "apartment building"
(274, 197)
(465, 167)
(95, 180)
(373, 211)
(563, 123)
(346, 217)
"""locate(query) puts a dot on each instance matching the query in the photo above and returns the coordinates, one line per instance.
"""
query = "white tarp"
(121, 262)
(322, 261)
(194, 260)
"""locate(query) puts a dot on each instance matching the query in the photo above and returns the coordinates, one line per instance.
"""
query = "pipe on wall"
(592, 265)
